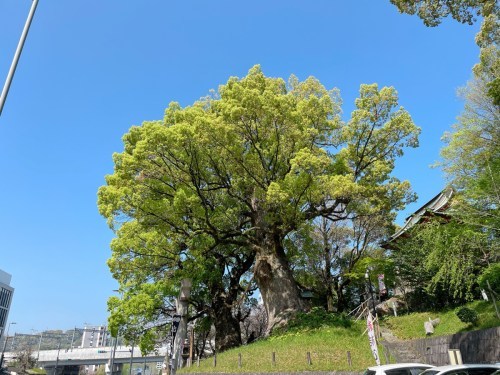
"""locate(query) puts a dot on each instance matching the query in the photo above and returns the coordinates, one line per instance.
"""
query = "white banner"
(371, 337)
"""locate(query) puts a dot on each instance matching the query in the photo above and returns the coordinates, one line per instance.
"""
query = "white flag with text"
(371, 337)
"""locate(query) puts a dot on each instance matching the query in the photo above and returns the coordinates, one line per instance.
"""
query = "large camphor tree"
(237, 172)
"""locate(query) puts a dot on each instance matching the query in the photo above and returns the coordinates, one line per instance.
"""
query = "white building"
(6, 292)
(94, 337)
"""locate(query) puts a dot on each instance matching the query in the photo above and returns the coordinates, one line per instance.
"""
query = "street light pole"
(131, 358)
(57, 359)
(19, 49)
(370, 290)
(13, 341)
(5, 343)
(73, 338)
(39, 346)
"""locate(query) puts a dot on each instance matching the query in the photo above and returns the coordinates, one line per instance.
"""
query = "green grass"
(328, 348)
(328, 344)
(411, 326)
(36, 371)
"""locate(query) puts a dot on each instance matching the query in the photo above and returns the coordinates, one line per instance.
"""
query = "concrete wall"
(481, 346)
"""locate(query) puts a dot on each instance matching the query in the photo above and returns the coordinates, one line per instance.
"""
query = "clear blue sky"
(92, 68)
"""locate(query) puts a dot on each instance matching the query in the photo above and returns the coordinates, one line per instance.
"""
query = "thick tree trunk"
(227, 329)
(278, 288)
(330, 301)
(341, 298)
(225, 300)
(327, 271)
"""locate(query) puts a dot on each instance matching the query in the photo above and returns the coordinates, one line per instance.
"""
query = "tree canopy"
(225, 181)
(432, 12)
(468, 240)
(472, 152)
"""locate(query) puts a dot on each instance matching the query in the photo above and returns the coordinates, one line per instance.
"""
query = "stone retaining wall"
(481, 346)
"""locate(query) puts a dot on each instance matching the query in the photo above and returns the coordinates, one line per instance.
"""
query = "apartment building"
(6, 292)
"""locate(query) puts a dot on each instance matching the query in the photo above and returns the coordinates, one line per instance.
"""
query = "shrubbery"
(317, 317)
(467, 315)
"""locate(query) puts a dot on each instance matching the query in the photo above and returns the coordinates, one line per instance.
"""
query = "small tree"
(24, 358)
(254, 326)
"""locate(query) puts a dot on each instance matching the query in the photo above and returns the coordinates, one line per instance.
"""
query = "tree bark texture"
(278, 288)
(227, 329)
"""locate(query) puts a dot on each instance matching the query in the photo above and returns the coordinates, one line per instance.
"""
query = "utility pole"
(57, 359)
(19, 49)
(73, 338)
(39, 346)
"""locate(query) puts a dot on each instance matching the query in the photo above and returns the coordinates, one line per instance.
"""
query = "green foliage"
(464, 11)
(441, 261)
(50, 339)
(432, 11)
(125, 369)
(202, 192)
(467, 315)
(38, 371)
(24, 359)
(331, 257)
(471, 158)
(494, 91)
(314, 319)
(491, 275)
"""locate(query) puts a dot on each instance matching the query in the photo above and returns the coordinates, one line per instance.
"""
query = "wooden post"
(273, 359)
(191, 346)
(239, 360)
(198, 361)
(309, 362)
(215, 359)
(349, 360)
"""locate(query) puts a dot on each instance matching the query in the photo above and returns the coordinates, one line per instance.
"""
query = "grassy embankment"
(317, 341)
(328, 347)
(411, 326)
(328, 342)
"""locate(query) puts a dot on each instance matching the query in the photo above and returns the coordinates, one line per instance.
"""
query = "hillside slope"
(333, 345)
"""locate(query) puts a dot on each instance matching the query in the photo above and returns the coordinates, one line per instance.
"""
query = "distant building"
(6, 292)
(94, 336)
